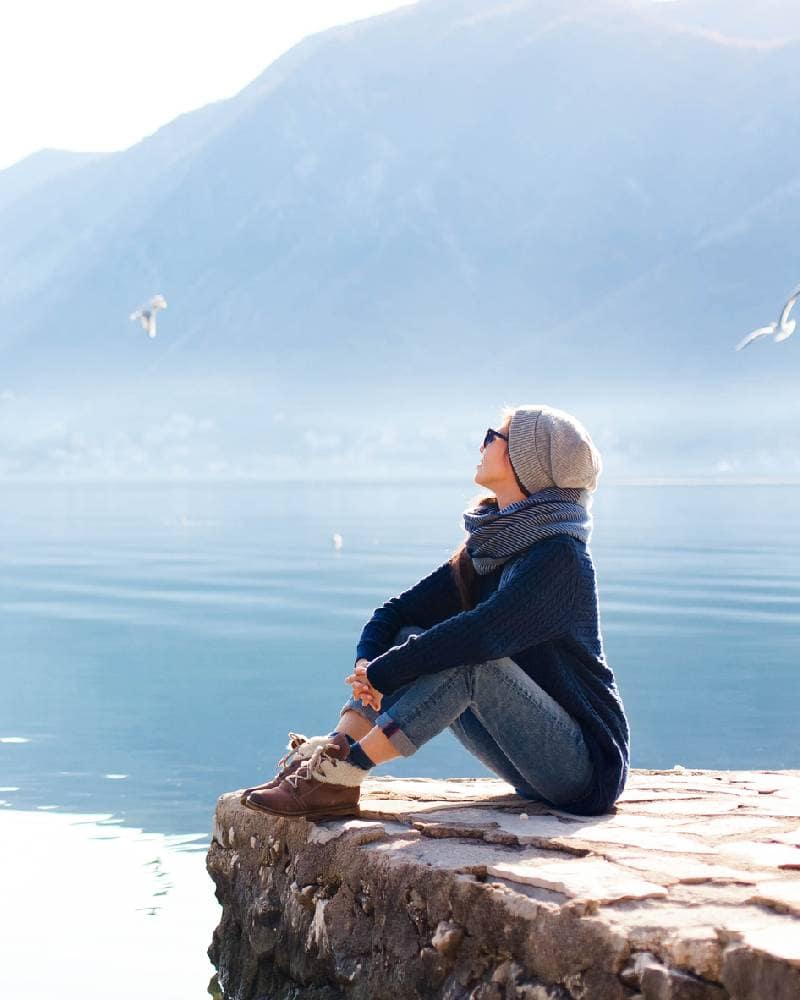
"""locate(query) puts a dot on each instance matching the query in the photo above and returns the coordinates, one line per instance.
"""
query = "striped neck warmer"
(495, 535)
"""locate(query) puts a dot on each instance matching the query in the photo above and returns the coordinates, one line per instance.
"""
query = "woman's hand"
(363, 691)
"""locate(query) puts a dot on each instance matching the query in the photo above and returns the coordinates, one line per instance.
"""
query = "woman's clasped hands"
(363, 691)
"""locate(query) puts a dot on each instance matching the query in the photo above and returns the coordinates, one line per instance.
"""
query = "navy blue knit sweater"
(543, 613)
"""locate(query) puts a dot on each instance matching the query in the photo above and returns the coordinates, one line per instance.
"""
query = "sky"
(99, 75)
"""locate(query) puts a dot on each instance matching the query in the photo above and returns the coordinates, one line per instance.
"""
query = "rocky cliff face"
(458, 889)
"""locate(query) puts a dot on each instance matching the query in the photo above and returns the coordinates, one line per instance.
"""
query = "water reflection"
(95, 909)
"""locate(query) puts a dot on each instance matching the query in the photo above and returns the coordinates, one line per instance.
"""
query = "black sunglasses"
(491, 434)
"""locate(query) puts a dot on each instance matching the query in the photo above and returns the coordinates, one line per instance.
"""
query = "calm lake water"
(158, 642)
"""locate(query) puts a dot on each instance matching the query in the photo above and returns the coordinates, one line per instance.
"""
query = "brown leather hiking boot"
(326, 785)
(300, 749)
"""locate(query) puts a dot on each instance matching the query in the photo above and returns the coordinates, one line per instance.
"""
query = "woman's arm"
(432, 600)
(535, 604)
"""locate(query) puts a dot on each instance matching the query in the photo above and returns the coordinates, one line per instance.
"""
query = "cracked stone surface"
(461, 889)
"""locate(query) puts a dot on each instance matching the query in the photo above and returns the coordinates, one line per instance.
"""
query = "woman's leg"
(358, 720)
(353, 723)
(505, 719)
(473, 735)
(541, 742)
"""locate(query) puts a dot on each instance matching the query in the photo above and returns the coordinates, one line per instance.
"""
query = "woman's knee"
(491, 677)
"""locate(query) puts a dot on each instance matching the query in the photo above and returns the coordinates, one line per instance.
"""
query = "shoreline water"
(95, 909)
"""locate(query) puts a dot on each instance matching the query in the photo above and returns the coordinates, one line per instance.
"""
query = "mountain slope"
(589, 200)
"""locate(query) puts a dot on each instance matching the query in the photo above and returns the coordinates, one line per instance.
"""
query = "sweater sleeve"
(432, 600)
(534, 604)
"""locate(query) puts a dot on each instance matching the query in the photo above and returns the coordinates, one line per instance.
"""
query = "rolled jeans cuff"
(388, 726)
(395, 735)
(383, 720)
(353, 705)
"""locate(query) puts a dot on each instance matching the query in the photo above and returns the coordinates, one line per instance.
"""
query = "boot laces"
(296, 740)
(312, 765)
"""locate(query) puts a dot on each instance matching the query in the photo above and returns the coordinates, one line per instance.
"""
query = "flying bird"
(782, 329)
(147, 314)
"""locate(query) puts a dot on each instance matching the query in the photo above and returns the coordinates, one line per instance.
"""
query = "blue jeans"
(500, 715)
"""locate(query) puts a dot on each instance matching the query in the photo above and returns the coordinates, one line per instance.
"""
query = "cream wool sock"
(328, 770)
(304, 746)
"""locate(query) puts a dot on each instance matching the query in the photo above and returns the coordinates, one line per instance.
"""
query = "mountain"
(419, 216)
(23, 177)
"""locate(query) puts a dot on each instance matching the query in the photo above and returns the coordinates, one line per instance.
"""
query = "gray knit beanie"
(548, 447)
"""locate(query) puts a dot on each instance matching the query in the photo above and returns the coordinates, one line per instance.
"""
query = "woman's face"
(494, 467)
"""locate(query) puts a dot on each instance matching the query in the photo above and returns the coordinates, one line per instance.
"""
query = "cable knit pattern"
(540, 609)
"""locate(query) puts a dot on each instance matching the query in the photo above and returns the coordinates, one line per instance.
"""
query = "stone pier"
(455, 889)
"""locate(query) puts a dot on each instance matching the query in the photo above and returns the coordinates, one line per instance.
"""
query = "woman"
(501, 644)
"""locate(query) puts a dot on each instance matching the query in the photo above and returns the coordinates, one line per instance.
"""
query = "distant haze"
(402, 225)
(101, 77)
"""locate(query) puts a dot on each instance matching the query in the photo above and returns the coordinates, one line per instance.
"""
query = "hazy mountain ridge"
(573, 200)
(20, 179)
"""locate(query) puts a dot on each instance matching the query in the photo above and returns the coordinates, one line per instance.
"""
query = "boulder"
(689, 890)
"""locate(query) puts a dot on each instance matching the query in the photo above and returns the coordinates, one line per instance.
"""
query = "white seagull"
(782, 329)
(147, 314)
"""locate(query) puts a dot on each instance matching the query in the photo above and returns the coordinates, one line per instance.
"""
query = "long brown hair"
(464, 575)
